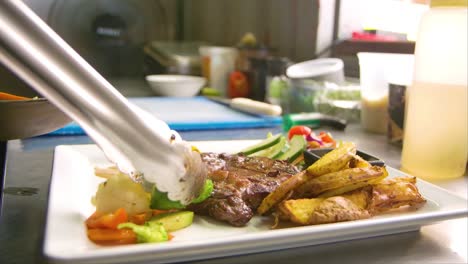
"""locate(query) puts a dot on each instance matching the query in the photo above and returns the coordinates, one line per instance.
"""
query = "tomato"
(238, 85)
(299, 130)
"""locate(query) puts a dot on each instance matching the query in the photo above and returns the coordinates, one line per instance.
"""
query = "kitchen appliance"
(110, 35)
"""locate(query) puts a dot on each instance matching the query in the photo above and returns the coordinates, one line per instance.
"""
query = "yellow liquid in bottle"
(374, 114)
(435, 143)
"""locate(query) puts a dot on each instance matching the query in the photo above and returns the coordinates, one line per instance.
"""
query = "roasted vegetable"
(338, 179)
(358, 162)
(159, 200)
(395, 193)
(119, 191)
(373, 199)
(282, 191)
(173, 221)
(110, 237)
(147, 233)
(334, 160)
(322, 210)
(109, 221)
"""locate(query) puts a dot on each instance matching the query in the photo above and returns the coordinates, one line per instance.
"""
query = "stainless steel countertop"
(28, 172)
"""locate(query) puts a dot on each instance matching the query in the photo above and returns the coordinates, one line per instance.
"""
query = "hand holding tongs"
(130, 137)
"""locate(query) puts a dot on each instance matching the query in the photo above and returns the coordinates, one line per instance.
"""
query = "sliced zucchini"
(297, 145)
(266, 143)
(173, 221)
(159, 200)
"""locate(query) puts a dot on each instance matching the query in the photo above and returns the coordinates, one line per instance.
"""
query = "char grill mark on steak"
(240, 185)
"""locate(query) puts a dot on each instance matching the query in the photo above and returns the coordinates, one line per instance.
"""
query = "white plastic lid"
(314, 68)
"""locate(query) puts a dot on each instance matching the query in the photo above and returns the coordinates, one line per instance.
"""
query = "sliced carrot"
(112, 236)
(110, 221)
(140, 219)
(7, 96)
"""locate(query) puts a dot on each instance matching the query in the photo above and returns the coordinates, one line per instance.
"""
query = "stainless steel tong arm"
(129, 137)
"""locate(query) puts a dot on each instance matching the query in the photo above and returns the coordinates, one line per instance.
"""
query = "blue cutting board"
(190, 113)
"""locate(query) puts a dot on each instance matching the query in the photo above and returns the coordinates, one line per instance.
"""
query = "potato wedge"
(334, 160)
(282, 191)
(358, 162)
(360, 197)
(299, 211)
(354, 186)
(395, 193)
(339, 179)
(320, 211)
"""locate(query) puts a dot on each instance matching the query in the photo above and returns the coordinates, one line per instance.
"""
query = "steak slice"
(240, 185)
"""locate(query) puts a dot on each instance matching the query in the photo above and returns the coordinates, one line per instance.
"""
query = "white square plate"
(73, 184)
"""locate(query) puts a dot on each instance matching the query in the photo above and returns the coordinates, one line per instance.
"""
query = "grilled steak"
(240, 184)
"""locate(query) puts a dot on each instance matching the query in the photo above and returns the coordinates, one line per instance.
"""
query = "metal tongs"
(132, 138)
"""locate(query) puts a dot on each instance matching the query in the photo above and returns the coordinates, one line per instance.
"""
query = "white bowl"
(175, 85)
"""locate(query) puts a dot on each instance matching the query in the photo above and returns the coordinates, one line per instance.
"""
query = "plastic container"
(302, 95)
(374, 70)
(325, 69)
(217, 64)
(435, 143)
(340, 101)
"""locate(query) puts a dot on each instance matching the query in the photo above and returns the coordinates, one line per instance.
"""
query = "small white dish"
(175, 85)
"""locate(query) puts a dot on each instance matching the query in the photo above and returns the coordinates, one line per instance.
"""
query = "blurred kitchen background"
(126, 40)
